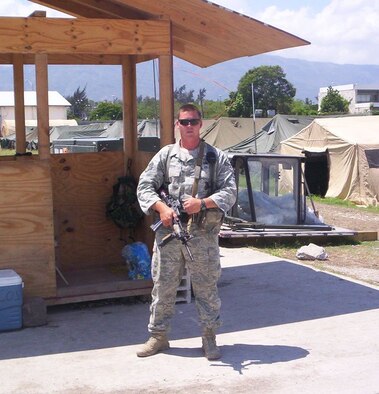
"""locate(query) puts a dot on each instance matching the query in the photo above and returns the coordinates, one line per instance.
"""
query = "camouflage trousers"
(168, 266)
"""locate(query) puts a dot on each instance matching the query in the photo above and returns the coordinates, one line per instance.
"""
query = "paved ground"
(287, 329)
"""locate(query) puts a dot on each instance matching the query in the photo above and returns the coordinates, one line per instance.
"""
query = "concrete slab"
(287, 329)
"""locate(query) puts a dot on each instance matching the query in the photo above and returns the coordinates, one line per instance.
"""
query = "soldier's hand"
(192, 205)
(167, 216)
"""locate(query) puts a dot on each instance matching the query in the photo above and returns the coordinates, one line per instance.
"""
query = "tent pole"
(255, 133)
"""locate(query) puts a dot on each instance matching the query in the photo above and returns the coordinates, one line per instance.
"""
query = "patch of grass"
(7, 152)
(286, 249)
(278, 249)
(351, 253)
(343, 203)
(12, 152)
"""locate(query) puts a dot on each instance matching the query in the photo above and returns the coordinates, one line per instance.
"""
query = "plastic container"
(10, 300)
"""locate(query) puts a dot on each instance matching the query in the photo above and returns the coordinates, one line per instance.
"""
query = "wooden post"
(129, 92)
(42, 106)
(166, 100)
(19, 105)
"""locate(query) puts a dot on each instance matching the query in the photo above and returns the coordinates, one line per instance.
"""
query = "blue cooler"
(10, 300)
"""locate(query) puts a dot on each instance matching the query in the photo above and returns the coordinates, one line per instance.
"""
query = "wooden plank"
(26, 224)
(98, 295)
(84, 36)
(95, 9)
(18, 83)
(129, 92)
(7, 58)
(82, 187)
(166, 108)
(99, 280)
(42, 106)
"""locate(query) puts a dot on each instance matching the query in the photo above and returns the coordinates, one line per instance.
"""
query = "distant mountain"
(104, 82)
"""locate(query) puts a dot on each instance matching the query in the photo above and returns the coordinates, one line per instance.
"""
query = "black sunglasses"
(186, 122)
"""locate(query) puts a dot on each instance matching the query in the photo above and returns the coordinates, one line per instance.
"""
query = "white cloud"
(345, 31)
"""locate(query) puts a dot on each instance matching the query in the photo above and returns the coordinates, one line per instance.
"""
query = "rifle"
(179, 232)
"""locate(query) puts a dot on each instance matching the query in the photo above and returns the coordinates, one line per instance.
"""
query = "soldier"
(201, 177)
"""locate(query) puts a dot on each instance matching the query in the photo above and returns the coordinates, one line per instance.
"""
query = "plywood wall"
(53, 213)
(26, 224)
(82, 186)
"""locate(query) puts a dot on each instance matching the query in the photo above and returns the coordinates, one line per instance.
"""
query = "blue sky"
(340, 31)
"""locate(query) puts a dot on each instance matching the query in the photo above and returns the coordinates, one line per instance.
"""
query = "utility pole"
(253, 106)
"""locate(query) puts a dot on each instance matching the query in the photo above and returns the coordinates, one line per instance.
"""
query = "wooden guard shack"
(52, 206)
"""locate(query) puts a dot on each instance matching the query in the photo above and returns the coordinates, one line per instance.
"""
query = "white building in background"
(363, 99)
(58, 107)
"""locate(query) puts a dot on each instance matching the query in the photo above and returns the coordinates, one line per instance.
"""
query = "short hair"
(189, 108)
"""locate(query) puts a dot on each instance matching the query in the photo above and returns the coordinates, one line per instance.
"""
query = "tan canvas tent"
(348, 147)
(225, 132)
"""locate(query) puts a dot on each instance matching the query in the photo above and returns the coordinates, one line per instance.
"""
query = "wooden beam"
(95, 9)
(42, 106)
(84, 36)
(166, 100)
(77, 59)
(129, 92)
(19, 105)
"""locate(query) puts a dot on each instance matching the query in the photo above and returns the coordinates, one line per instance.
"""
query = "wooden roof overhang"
(202, 33)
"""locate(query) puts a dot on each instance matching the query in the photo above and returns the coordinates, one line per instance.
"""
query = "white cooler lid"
(9, 278)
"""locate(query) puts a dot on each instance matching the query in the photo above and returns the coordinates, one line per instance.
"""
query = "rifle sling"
(199, 162)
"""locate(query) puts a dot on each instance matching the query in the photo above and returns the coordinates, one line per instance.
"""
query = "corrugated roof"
(30, 99)
(203, 33)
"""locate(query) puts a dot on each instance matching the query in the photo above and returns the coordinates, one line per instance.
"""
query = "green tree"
(237, 107)
(182, 96)
(80, 106)
(213, 109)
(271, 91)
(334, 103)
(106, 110)
(200, 99)
(147, 108)
(300, 107)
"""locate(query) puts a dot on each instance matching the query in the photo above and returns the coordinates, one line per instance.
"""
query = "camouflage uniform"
(169, 261)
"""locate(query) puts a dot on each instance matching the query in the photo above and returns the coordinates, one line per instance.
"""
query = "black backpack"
(123, 207)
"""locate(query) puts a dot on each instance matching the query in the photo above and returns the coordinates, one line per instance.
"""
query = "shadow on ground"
(253, 296)
(240, 356)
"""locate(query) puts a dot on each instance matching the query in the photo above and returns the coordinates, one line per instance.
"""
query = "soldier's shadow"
(240, 356)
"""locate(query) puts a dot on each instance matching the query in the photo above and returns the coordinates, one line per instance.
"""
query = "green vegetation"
(288, 249)
(334, 103)
(344, 203)
(306, 107)
(80, 105)
(272, 91)
(106, 110)
(12, 152)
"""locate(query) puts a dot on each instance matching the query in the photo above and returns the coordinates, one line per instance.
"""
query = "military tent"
(224, 133)
(268, 138)
(343, 154)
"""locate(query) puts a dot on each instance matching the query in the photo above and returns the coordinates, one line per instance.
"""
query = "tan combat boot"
(155, 344)
(210, 348)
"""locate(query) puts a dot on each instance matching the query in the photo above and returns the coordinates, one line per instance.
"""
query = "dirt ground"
(359, 261)
(358, 219)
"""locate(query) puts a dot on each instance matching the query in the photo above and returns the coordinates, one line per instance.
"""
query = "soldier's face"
(189, 125)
